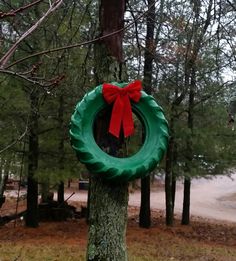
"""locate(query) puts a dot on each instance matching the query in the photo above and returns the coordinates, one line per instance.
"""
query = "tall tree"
(108, 202)
(61, 146)
(145, 213)
(31, 219)
(195, 43)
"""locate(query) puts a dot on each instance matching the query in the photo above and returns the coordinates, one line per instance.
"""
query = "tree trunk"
(173, 192)
(107, 220)
(187, 180)
(32, 184)
(60, 190)
(186, 202)
(189, 149)
(88, 202)
(145, 213)
(168, 183)
(60, 193)
(108, 201)
(194, 47)
(5, 170)
(44, 191)
(174, 176)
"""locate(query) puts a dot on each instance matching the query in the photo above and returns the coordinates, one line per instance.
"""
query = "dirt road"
(210, 198)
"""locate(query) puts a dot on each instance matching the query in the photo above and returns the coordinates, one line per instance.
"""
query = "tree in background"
(46, 73)
(193, 80)
(192, 84)
(145, 213)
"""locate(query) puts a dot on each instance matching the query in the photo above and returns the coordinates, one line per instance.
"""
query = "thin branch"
(80, 44)
(136, 34)
(11, 51)
(216, 92)
(14, 142)
(14, 12)
(44, 84)
(18, 75)
(233, 6)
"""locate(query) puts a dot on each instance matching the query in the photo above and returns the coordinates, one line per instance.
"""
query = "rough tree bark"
(108, 202)
(145, 213)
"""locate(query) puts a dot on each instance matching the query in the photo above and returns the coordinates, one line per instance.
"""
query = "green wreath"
(112, 168)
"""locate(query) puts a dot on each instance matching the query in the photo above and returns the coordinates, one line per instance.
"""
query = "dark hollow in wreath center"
(122, 147)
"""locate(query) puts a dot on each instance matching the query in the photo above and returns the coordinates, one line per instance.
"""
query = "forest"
(54, 52)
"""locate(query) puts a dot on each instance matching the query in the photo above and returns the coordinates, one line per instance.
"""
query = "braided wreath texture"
(112, 168)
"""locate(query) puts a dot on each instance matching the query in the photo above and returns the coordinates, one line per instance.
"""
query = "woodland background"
(192, 52)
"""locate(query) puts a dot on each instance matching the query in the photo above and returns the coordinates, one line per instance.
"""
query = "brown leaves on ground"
(74, 231)
(200, 229)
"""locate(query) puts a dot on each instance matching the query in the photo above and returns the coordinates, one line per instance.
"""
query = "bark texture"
(111, 20)
(107, 221)
(108, 201)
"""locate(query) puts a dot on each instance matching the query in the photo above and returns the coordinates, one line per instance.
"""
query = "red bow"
(121, 111)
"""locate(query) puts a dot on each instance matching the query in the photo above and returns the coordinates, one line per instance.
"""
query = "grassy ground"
(66, 241)
(159, 247)
(137, 252)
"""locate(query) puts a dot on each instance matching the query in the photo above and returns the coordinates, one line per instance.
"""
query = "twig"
(79, 44)
(14, 142)
(11, 51)
(233, 6)
(66, 199)
(14, 12)
(34, 81)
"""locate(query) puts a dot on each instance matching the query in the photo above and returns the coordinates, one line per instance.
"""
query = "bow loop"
(122, 111)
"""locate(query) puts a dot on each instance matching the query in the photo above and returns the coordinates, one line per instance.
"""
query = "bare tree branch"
(11, 51)
(14, 12)
(232, 5)
(43, 83)
(79, 44)
(14, 142)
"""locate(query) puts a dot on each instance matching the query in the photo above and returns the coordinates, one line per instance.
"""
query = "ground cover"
(203, 240)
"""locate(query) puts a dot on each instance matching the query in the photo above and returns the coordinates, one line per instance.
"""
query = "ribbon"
(122, 111)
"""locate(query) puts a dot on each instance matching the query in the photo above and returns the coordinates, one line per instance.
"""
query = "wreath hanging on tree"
(125, 99)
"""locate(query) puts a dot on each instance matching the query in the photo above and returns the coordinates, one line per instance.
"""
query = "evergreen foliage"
(180, 33)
